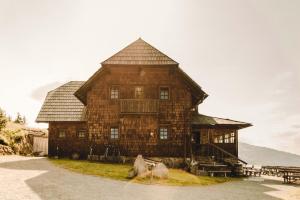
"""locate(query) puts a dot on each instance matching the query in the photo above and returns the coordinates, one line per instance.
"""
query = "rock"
(160, 171)
(131, 173)
(6, 150)
(75, 156)
(140, 166)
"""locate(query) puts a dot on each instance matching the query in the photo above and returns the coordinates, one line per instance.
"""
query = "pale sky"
(244, 53)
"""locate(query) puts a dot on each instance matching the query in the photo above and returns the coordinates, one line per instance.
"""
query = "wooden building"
(139, 102)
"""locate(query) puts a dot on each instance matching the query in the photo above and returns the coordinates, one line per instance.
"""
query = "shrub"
(3, 141)
(18, 138)
(3, 119)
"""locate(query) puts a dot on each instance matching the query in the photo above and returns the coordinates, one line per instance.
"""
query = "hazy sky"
(244, 53)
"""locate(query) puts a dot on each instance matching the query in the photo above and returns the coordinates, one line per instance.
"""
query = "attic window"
(164, 93)
(114, 93)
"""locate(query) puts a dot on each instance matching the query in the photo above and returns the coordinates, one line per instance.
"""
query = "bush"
(18, 138)
(3, 119)
(3, 141)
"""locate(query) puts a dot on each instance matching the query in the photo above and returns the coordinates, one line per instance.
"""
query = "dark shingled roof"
(61, 104)
(139, 53)
(200, 119)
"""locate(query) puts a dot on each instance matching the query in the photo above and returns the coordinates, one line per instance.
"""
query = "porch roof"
(204, 120)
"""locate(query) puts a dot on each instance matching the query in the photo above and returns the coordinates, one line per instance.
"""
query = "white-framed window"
(226, 138)
(232, 137)
(164, 93)
(163, 133)
(218, 139)
(114, 93)
(61, 133)
(81, 133)
(114, 133)
(139, 92)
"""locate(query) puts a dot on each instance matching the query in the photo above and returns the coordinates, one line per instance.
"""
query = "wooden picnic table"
(290, 175)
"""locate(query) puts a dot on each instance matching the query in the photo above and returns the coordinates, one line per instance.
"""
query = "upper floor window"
(62, 134)
(114, 93)
(114, 133)
(81, 133)
(139, 92)
(164, 93)
(163, 133)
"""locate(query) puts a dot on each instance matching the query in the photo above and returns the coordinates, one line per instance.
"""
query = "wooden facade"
(139, 102)
(139, 119)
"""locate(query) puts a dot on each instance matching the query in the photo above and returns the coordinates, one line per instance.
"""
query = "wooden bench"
(213, 172)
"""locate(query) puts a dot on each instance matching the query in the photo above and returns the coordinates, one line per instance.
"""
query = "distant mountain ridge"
(267, 156)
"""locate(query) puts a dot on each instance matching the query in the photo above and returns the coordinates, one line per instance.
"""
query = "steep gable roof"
(61, 104)
(139, 53)
(200, 119)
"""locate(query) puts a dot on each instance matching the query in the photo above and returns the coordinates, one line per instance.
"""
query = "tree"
(24, 120)
(19, 119)
(3, 119)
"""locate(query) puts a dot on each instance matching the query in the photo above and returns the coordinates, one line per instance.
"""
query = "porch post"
(236, 140)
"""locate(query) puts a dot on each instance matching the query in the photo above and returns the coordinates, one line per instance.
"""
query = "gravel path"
(36, 178)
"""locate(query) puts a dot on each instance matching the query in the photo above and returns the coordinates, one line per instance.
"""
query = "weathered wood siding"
(139, 123)
(71, 143)
(40, 145)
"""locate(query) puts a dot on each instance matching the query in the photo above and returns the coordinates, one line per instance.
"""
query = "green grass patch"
(176, 177)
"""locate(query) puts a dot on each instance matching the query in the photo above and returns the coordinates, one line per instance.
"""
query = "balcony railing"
(139, 106)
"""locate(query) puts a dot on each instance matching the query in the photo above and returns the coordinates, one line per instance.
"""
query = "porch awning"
(204, 120)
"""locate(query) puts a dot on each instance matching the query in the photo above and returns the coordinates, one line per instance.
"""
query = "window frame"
(232, 137)
(114, 88)
(219, 139)
(59, 133)
(161, 88)
(80, 131)
(142, 92)
(227, 138)
(114, 134)
(165, 133)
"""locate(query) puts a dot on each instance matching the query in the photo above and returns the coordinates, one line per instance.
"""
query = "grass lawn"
(177, 177)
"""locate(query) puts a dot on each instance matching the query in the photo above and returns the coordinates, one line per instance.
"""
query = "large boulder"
(160, 171)
(140, 167)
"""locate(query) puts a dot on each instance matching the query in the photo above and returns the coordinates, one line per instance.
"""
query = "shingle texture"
(200, 119)
(140, 53)
(61, 104)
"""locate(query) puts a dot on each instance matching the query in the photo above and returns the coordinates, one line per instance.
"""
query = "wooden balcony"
(139, 106)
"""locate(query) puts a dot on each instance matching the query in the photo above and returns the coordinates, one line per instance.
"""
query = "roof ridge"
(137, 53)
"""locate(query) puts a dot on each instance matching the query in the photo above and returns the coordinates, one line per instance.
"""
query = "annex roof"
(139, 53)
(61, 104)
(200, 119)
